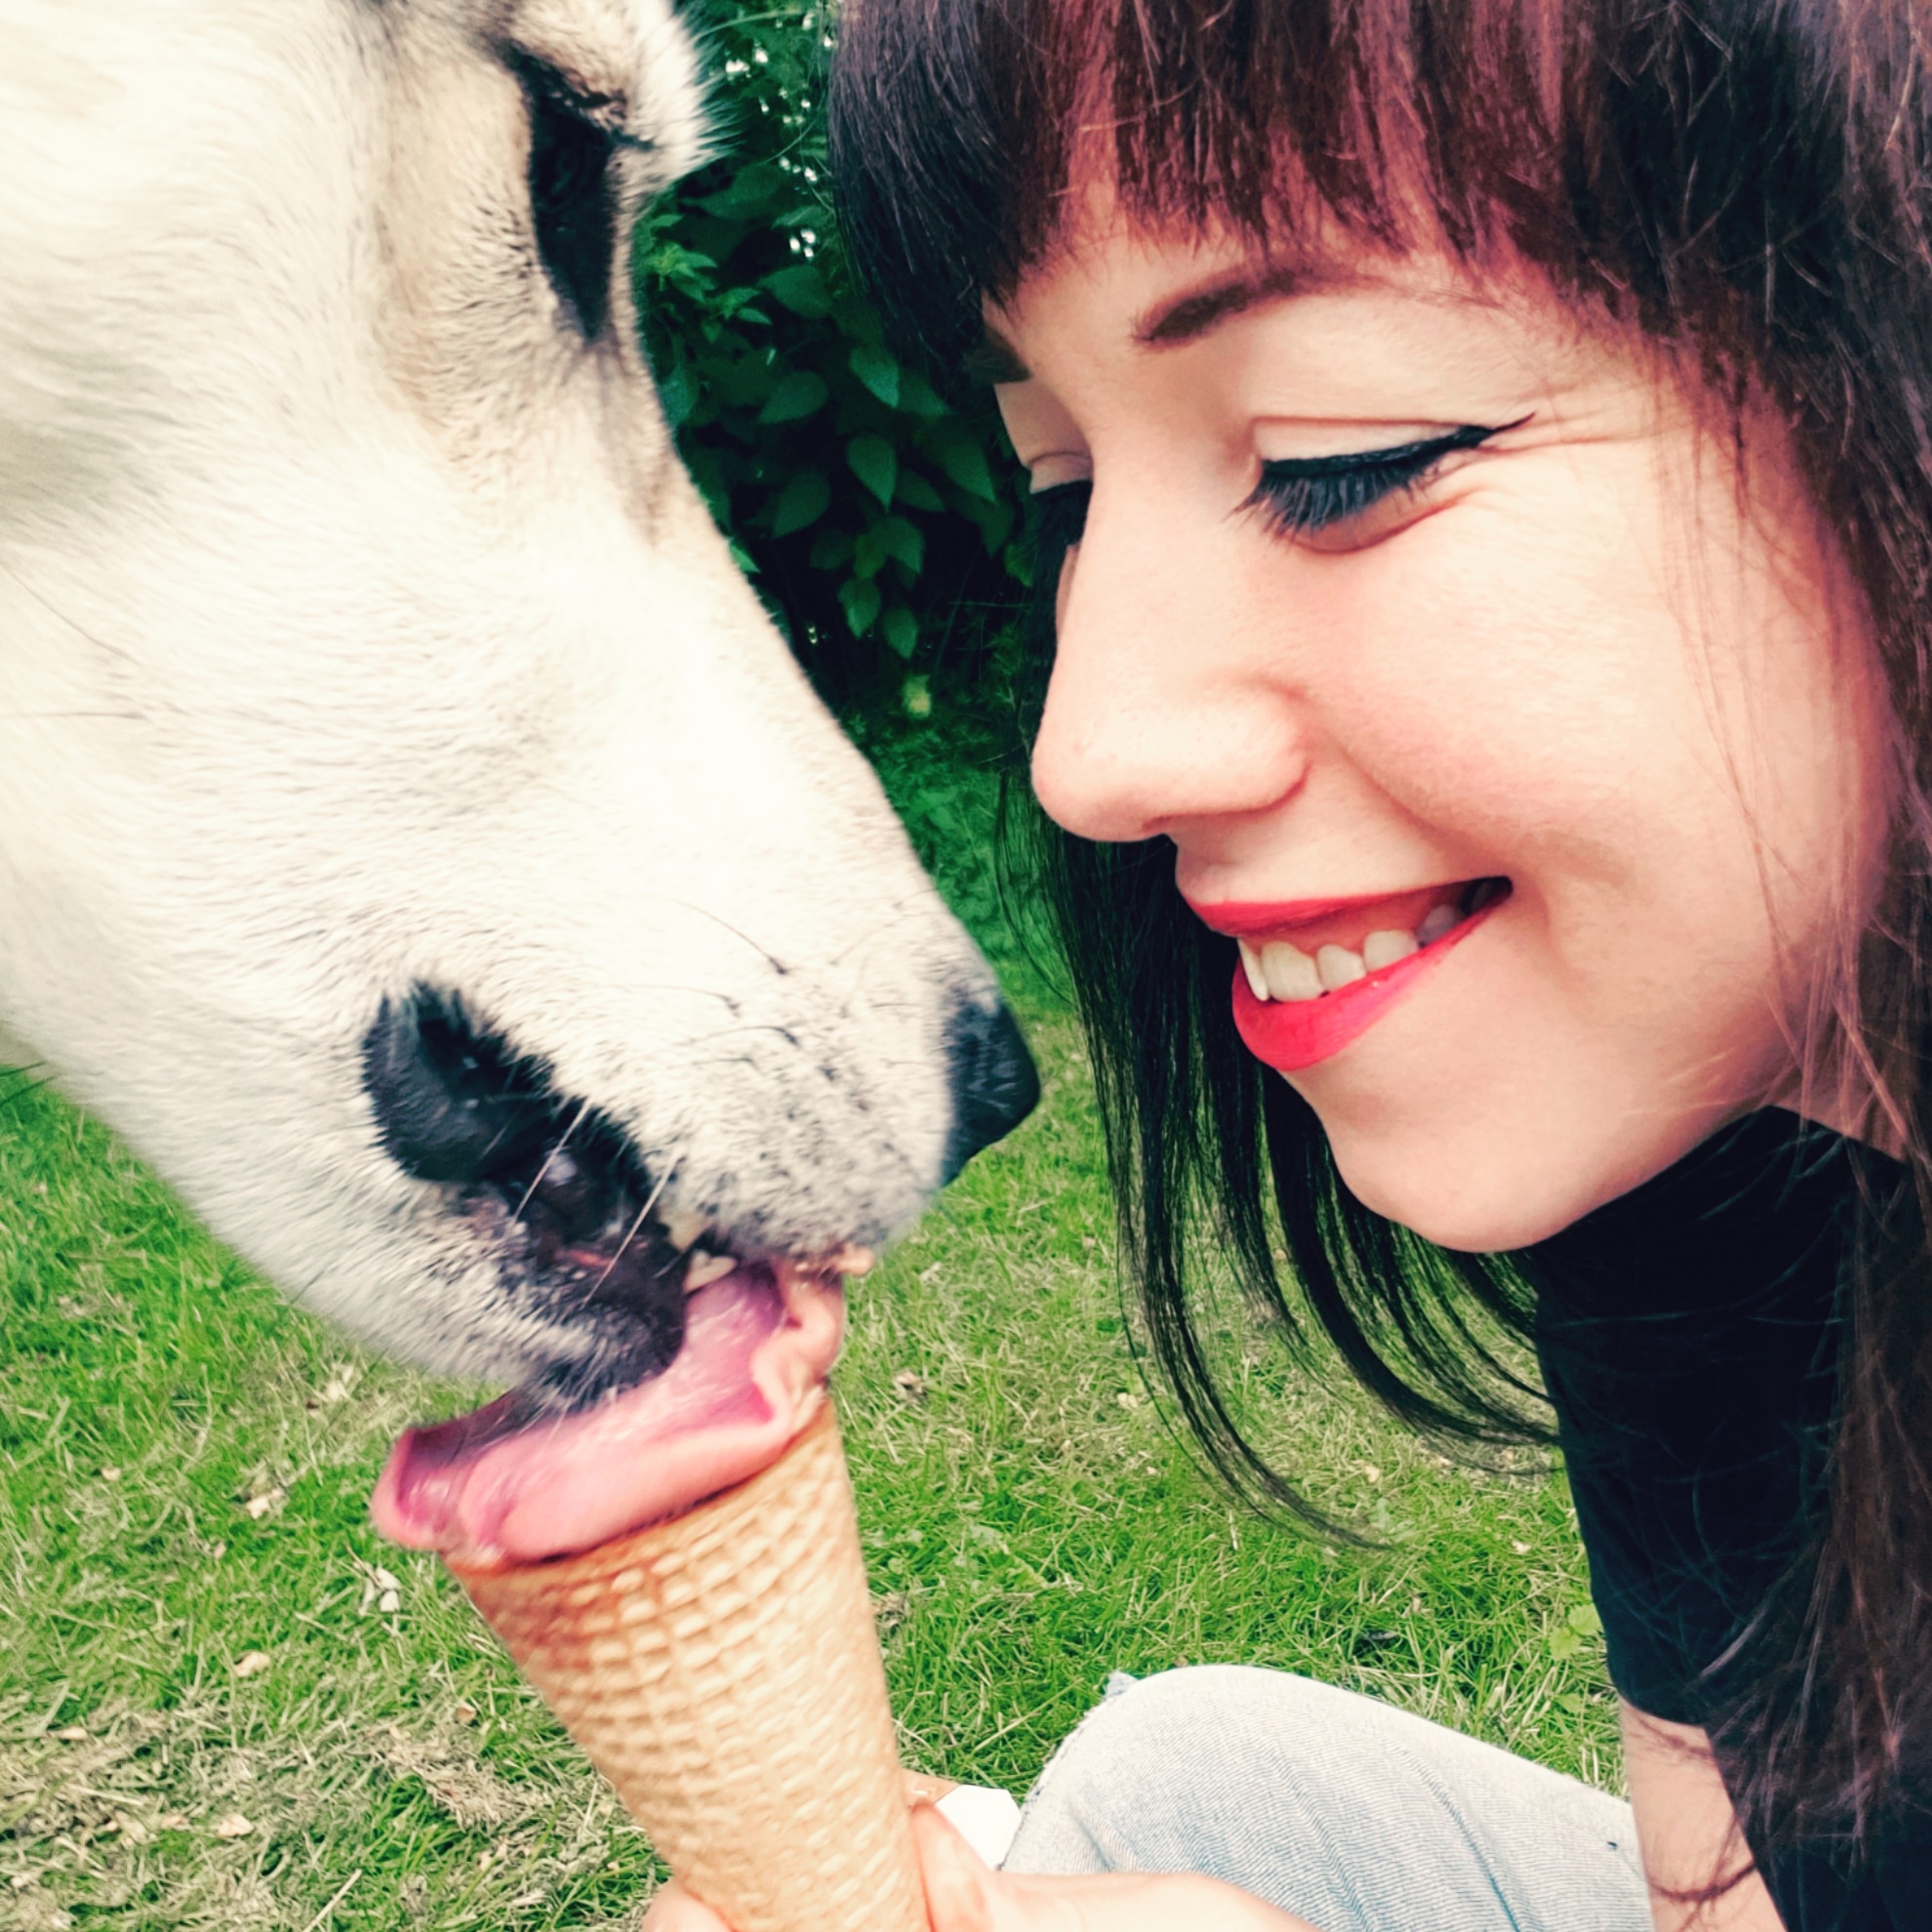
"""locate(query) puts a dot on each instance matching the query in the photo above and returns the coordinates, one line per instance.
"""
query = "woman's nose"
(1172, 702)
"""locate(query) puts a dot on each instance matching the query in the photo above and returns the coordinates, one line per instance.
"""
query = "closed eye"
(1296, 496)
(573, 200)
(1302, 495)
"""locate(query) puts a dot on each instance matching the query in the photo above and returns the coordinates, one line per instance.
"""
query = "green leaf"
(993, 520)
(900, 540)
(674, 258)
(858, 321)
(741, 380)
(801, 502)
(878, 370)
(752, 189)
(917, 396)
(965, 462)
(915, 493)
(677, 393)
(861, 601)
(902, 632)
(707, 472)
(1386, 1523)
(1584, 1620)
(875, 463)
(868, 554)
(832, 550)
(796, 395)
(689, 272)
(802, 290)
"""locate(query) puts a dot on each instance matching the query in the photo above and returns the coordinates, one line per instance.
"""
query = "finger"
(960, 1886)
(923, 1788)
(674, 1910)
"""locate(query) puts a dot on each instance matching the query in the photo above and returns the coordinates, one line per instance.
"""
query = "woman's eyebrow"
(1175, 319)
(1186, 317)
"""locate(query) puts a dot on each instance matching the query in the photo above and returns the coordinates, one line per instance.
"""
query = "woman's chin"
(1481, 1194)
(1486, 1152)
(1460, 1218)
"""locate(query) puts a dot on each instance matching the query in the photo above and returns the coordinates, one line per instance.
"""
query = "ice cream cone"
(722, 1671)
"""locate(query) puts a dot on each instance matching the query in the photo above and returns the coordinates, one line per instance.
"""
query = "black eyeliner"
(1309, 493)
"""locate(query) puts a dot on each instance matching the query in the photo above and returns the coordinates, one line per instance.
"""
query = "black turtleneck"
(1689, 1337)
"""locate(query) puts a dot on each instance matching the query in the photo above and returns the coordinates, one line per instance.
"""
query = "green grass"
(192, 1620)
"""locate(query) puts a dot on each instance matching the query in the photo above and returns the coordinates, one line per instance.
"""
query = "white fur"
(359, 629)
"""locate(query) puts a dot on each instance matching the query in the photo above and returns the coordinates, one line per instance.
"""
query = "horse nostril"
(452, 1105)
(994, 1083)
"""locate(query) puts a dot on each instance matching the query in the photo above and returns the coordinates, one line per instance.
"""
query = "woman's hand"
(965, 1895)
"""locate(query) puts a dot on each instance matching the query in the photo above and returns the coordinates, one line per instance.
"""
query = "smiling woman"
(1405, 602)
(1484, 464)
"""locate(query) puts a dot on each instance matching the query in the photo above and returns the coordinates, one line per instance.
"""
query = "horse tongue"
(505, 1486)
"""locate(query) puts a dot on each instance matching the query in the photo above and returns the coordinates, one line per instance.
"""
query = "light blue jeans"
(1359, 1817)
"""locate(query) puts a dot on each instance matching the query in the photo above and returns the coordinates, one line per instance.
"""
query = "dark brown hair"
(1744, 182)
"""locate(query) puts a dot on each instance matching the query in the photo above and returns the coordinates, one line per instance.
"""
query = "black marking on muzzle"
(995, 1084)
(559, 1186)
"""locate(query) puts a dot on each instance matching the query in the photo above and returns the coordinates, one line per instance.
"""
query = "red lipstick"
(1270, 920)
(1289, 1035)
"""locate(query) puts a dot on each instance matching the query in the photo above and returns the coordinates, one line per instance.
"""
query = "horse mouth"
(556, 1191)
(518, 1482)
(680, 1360)
(580, 1243)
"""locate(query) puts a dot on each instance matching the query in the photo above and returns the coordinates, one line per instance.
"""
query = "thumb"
(962, 1891)
(674, 1910)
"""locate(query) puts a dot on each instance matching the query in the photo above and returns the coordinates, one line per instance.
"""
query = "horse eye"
(571, 200)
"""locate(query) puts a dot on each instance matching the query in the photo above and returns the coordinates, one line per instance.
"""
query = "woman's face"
(1535, 762)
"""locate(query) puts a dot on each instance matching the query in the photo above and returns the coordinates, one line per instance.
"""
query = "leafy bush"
(878, 519)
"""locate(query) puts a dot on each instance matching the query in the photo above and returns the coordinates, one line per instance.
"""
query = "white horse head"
(413, 835)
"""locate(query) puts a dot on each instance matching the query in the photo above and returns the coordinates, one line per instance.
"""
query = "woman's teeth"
(1338, 967)
(1281, 971)
(1381, 949)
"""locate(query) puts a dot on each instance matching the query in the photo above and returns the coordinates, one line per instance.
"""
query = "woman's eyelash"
(1060, 515)
(1300, 494)
(1296, 494)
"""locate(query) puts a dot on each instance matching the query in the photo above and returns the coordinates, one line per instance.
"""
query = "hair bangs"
(1643, 157)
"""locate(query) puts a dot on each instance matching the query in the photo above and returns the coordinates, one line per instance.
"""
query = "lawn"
(225, 1702)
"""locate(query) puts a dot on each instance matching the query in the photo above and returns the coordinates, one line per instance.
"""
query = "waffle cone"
(722, 1671)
